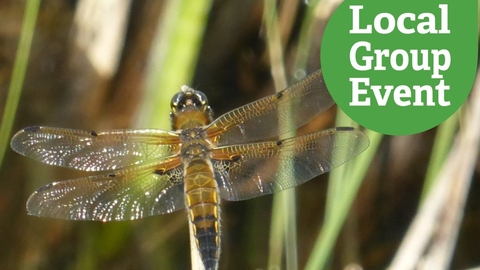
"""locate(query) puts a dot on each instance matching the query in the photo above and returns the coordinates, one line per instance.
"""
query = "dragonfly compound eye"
(189, 98)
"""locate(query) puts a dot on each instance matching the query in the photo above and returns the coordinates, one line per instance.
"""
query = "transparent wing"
(128, 194)
(94, 151)
(274, 115)
(251, 170)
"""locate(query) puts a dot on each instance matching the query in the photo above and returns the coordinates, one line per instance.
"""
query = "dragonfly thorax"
(194, 143)
(189, 134)
(195, 150)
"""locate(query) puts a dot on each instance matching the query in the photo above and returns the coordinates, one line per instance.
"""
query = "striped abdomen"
(202, 201)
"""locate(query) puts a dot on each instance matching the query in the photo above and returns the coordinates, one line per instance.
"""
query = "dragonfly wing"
(94, 151)
(128, 194)
(251, 170)
(274, 115)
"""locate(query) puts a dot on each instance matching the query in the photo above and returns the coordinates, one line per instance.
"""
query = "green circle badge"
(400, 67)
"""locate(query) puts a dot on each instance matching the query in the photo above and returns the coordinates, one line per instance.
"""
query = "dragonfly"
(244, 153)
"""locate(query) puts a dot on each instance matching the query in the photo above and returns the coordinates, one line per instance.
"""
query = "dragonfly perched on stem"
(147, 172)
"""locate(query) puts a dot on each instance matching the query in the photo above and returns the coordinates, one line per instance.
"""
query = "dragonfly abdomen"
(202, 200)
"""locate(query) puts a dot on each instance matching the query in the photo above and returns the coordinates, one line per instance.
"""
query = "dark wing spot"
(111, 175)
(160, 172)
(236, 158)
(279, 143)
(45, 188)
(279, 95)
(94, 134)
(32, 129)
(344, 128)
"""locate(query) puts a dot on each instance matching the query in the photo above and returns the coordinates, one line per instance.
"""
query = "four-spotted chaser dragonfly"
(150, 171)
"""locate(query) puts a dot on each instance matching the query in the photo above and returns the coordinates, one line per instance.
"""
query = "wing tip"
(363, 144)
(18, 139)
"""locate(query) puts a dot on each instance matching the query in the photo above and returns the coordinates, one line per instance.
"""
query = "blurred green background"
(109, 64)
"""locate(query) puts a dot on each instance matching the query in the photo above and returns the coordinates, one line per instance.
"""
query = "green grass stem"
(18, 74)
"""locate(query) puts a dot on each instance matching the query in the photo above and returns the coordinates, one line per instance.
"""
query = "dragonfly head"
(190, 100)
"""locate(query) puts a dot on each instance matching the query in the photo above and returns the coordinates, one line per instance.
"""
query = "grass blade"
(343, 187)
(18, 75)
